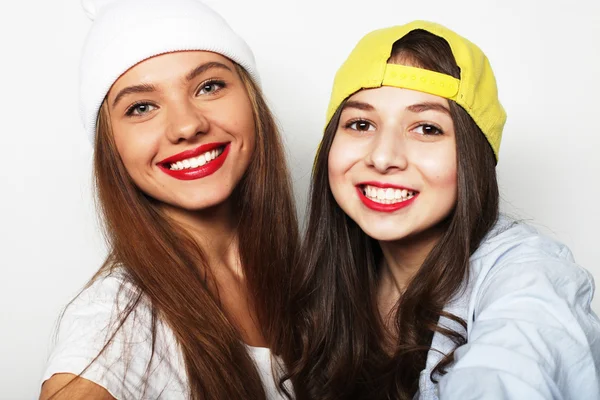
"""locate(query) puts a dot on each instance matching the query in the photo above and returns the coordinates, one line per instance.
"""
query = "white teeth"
(387, 195)
(196, 162)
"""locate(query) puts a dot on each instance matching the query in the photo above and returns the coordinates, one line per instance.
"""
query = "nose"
(388, 151)
(185, 122)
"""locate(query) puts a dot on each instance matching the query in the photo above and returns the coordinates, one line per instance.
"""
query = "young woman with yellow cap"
(411, 284)
(198, 214)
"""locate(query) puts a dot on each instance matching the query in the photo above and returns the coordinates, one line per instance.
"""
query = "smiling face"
(184, 128)
(392, 163)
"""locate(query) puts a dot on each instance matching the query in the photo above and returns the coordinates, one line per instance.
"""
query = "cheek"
(344, 154)
(240, 118)
(440, 171)
(136, 146)
(338, 162)
(251, 132)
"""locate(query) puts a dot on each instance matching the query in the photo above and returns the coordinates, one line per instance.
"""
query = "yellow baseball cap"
(475, 91)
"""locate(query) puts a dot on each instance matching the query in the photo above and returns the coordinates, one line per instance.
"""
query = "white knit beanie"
(126, 32)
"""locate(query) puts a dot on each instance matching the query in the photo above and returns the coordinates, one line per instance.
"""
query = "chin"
(200, 203)
(384, 234)
(206, 204)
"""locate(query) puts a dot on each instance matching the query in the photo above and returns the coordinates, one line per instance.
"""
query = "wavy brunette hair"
(340, 349)
(168, 268)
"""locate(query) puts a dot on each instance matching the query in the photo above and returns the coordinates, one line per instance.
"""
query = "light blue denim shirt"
(530, 331)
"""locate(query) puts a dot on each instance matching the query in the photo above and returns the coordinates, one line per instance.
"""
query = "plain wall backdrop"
(546, 56)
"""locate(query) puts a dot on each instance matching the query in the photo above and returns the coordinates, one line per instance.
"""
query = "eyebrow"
(147, 88)
(415, 108)
(421, 107)
(205, 67)
(359, 105)
(143, 88)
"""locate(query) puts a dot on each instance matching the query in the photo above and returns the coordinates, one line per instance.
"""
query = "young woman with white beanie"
(197, 208)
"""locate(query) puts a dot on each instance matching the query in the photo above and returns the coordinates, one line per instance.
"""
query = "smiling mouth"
(195, 162)
(387, 195)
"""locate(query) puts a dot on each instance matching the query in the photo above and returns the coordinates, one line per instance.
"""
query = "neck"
(403, 258)
(215, 231)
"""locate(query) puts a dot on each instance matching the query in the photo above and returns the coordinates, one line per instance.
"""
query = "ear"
(93, 7)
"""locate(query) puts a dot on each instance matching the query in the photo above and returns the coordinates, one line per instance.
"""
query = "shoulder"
(109, 335)
(522, 276)
(510, 240)
(107, 292)
(530, 327)
(515, 251)
(96, 312)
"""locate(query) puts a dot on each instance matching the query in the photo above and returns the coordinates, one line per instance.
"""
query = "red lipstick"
(202, 171)
(373, 205)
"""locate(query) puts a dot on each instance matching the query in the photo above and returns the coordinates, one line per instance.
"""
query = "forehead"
(167, 67)
(393, 98)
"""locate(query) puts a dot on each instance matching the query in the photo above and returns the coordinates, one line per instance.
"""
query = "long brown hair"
(339, 341)
(169, 269)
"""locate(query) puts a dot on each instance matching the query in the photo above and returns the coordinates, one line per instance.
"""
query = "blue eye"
(211, 87)
(139, 109)
(360, 125)
(427, 129)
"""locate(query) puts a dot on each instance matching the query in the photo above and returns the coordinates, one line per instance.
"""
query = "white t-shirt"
(122, 369)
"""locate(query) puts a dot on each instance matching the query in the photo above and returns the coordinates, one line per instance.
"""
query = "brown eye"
(361, 126)
(426, 129)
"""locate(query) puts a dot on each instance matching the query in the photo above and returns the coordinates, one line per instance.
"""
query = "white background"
(546, 56)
